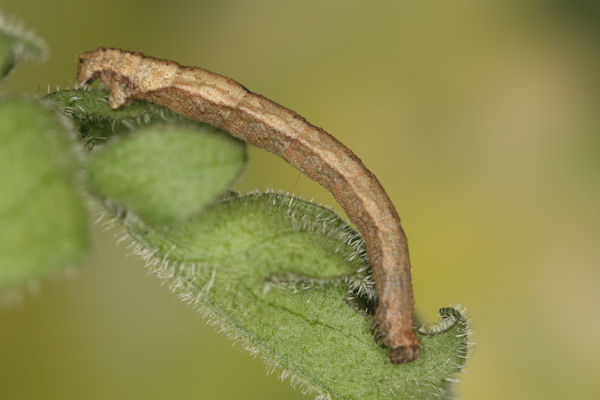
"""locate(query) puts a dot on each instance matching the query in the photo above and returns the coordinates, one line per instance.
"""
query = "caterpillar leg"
(397, 335)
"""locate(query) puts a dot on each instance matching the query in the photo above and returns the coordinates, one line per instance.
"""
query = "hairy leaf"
(166, 172)
(287, 278)
(17, 44)
(88, 108)
(284, 277)
(43, 220)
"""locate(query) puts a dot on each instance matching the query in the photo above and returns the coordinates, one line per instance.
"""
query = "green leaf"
(166, 172)
(43, 219)
(88, 109)
(287, 278)
(16, 45)
(284, 277)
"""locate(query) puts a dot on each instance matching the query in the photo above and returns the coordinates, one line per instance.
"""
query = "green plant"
(285, 277)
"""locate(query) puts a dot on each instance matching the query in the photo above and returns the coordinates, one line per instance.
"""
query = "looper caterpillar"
(208, 97)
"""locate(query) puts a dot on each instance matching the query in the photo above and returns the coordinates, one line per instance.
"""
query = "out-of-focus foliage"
(167, 173)
(44, 224)
(17, 44)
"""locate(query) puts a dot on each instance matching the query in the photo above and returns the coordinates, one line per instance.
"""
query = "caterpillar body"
(222, 102)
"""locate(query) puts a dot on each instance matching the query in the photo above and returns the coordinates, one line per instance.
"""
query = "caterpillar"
(222, 102)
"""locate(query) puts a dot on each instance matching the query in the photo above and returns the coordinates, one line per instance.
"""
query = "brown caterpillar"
(208, 97)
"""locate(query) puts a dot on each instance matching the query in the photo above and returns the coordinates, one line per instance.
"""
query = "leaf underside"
(287, 278)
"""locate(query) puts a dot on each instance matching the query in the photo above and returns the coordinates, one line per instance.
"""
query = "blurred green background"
(481, 120)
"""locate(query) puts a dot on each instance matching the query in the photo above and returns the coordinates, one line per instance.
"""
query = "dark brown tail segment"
(404, 354)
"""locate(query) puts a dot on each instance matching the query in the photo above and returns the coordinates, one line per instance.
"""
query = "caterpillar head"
(112, 67)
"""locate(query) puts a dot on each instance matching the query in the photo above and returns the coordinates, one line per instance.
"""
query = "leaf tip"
(21, 44)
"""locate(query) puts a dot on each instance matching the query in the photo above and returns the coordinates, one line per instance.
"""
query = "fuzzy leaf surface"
(43, 219)
(166, 172)
(287, 278)
(88, 109)
(275, 273)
